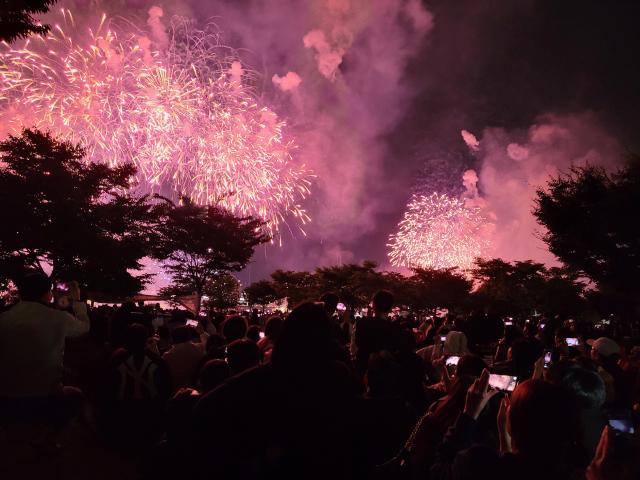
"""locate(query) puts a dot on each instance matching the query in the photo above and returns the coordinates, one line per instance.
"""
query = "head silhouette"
(543, 420)
(305, 338)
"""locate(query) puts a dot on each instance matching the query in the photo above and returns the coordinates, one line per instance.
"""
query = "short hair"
(242, 354)
(587, 386)
(273, 327)
(383, 301)
(524, 353)
(305, 340)
(215, 346)
(471, 365)
(234, 328)
(330, 301)
(33, 286)
(212, 374)
(544, 420)
(135, 338)
(181, 334)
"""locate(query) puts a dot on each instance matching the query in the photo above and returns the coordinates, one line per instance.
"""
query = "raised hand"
(478, 395)
(503, 431)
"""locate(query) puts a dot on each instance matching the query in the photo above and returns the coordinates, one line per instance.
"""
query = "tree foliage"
(74, 215)
(295, 286)
(220, 292)
(261, 293)
(199, 243)
(16, 18)
(355, 284)
(445, 288)
(589, 217)
(520, 288)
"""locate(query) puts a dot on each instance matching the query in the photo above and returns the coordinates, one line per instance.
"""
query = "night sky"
(497, 64)
(387, 86)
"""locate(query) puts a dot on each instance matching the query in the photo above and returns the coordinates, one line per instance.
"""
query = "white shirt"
(32, 337)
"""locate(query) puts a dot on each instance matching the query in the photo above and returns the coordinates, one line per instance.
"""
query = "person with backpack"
(135, 388)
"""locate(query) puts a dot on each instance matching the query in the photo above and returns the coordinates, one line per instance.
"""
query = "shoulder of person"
(244, 386)
(155, 358)
(49, 310)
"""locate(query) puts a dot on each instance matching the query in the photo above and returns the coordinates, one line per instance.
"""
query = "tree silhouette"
(199, 243)
(73, 215)
(355, 284)
(445, 288)
(221, 291)
(295, 286)
(261, 293)
(16, 20)
(590, 216)
(520, 288)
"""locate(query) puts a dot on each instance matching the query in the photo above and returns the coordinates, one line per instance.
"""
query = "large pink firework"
(181, 112)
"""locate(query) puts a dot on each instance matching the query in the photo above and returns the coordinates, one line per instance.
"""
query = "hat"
(604, 346)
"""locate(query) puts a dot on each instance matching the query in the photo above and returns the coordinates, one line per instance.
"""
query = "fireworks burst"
(437, 231)
(181, 112)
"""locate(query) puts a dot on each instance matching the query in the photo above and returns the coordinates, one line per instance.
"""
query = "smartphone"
(341, 307)
(443, 338)
(572, 342)
(621, 420)
(261, 334)
(451, 364)
(542, 325)
(506, 383)
(547, 358)
(192, 323)
(508, 322)
(62, 286)
(452, 360)
(622, 425)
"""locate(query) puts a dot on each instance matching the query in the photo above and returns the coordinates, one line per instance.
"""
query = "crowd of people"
(321, 393)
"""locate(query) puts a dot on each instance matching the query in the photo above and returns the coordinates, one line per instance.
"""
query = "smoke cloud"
(346, 62)
(470, 139)
(377, 93)
(289, 82)
(157, 27)
(515, 163)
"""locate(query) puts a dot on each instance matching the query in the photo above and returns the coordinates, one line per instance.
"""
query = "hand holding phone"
(547, 359)
(192, 323)
(478, 395)
(451, 364)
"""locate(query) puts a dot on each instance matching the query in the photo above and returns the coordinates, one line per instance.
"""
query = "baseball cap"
(604, 346)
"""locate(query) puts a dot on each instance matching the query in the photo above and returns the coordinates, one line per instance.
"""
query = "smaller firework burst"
(438, 231)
